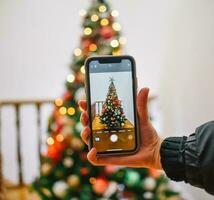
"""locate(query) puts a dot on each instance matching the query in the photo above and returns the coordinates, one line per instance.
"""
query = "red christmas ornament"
(84, 171)
(53, 153)
(80, 77)
(86, 43)
(107, 32)
(55, 150)
(110, 169)
(67, 96)
(128, 194)
(100, 185)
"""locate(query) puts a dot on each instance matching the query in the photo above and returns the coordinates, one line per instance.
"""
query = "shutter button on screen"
(114, 138)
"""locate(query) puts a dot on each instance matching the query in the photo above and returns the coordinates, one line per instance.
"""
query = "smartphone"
(111, 87)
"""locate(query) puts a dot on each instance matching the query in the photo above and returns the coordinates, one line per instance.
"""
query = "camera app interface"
(112, 108)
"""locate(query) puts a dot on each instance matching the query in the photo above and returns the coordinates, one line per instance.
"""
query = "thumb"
(142, 107)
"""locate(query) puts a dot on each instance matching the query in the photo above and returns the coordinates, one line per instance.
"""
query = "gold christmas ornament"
(92, 180)
(63, 110)
(87, 31)
(59, 137)
(93, 47)
(46, 192)
(104, 22)
(116, 52)
(58, 102)
(68, 162)
(73, 181)
(46, 169)
(71, 111)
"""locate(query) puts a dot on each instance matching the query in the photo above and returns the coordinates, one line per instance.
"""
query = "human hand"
(149, 152)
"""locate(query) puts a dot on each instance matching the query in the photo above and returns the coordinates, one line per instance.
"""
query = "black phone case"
(112, 59)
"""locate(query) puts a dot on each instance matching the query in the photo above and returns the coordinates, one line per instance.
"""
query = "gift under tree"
(65, 172)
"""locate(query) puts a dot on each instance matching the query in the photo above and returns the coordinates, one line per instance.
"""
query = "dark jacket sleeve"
(191, 159)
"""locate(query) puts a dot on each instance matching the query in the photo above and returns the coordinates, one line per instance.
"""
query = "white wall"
(172, 41)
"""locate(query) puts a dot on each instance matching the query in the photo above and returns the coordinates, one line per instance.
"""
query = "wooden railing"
(17, 104)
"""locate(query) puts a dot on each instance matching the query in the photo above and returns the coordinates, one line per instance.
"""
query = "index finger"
(82, 104)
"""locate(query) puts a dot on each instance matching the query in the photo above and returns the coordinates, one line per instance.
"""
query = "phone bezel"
(112, 59)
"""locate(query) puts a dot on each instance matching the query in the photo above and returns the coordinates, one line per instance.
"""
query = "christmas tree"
(65, 172)
(112, 112)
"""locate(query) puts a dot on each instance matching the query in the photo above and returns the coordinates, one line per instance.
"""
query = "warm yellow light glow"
(115, 13)
(62, 110)
(104, 22)
(102, 8)
(93, 47)
(114, 43)
(50, 141)
(59, 137)
(92, 180)
(130, 137)
(94, 18)
(82, 69)
(70, 78)
(116, 52)
(58, 102)
(87, 31)
(82, 13)
(77, 52)
(116, 26)
(122, 40)
(71, 111)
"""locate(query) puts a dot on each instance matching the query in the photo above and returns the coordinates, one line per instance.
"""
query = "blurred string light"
(114, 13)
(77, 52)
(71, 111)
(102, 8)
(114, 43)
(116, 52)
(92, 180)
(94, 18)
(59, 137)
(116, 26)
(82, 13)
(122, 40)
(82, 69)
(70, 78)
(93, 47)
(63, 110)
(104, 22)
(87, 31)
(58, 102)
(50, 141)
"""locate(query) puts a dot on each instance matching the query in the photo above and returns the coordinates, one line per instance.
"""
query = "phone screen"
(112, 99)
